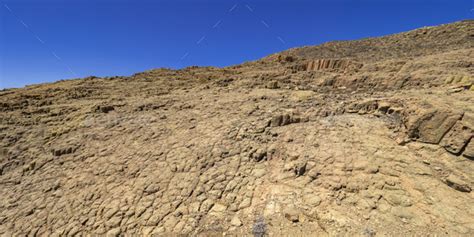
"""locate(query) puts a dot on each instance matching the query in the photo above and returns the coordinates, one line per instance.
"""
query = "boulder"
(430, 126)
(292, 214)
(104, 108)
(458, 137)
(258, 155)
(469, 150)
(236, 221)
(457, 183)
(272, 85)
(300, 168)
(283, 119)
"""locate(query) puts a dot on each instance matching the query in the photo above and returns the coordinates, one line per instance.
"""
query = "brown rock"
(292, 214)
(469, 150)
(104, 108)
(236, 221)
(114, 232)
(273, 85)
(283, 119)
(457, 183)
(457, 138)
(431, 126)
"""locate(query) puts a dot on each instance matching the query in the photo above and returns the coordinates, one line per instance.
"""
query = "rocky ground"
(365, 138)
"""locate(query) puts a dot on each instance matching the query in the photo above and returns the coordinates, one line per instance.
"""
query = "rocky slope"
(370, 137)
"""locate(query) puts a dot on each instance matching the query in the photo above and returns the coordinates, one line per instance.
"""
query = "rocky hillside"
(366, 138)
(419, 42)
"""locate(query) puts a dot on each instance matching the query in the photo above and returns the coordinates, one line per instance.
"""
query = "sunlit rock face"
(369, 137)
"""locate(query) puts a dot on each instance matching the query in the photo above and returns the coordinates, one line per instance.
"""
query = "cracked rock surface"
(272, 147)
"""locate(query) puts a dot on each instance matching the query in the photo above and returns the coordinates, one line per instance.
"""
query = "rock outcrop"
(306, 142)
(432, 125)
(456, 140)
(332, 64)
(335, 65)
(451, 129)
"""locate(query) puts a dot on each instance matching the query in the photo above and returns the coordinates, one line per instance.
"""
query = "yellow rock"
(457, 79)
(467, 80)
(301, 95)
(449, 80)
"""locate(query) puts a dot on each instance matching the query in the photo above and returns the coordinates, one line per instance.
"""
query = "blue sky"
(49, 40)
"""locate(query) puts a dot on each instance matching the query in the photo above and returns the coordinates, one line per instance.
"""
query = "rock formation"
(360, 138)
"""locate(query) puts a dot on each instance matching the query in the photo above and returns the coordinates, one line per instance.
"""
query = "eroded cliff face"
(370, 137)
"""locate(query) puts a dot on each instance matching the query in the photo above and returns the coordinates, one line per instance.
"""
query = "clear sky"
(49, 40)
